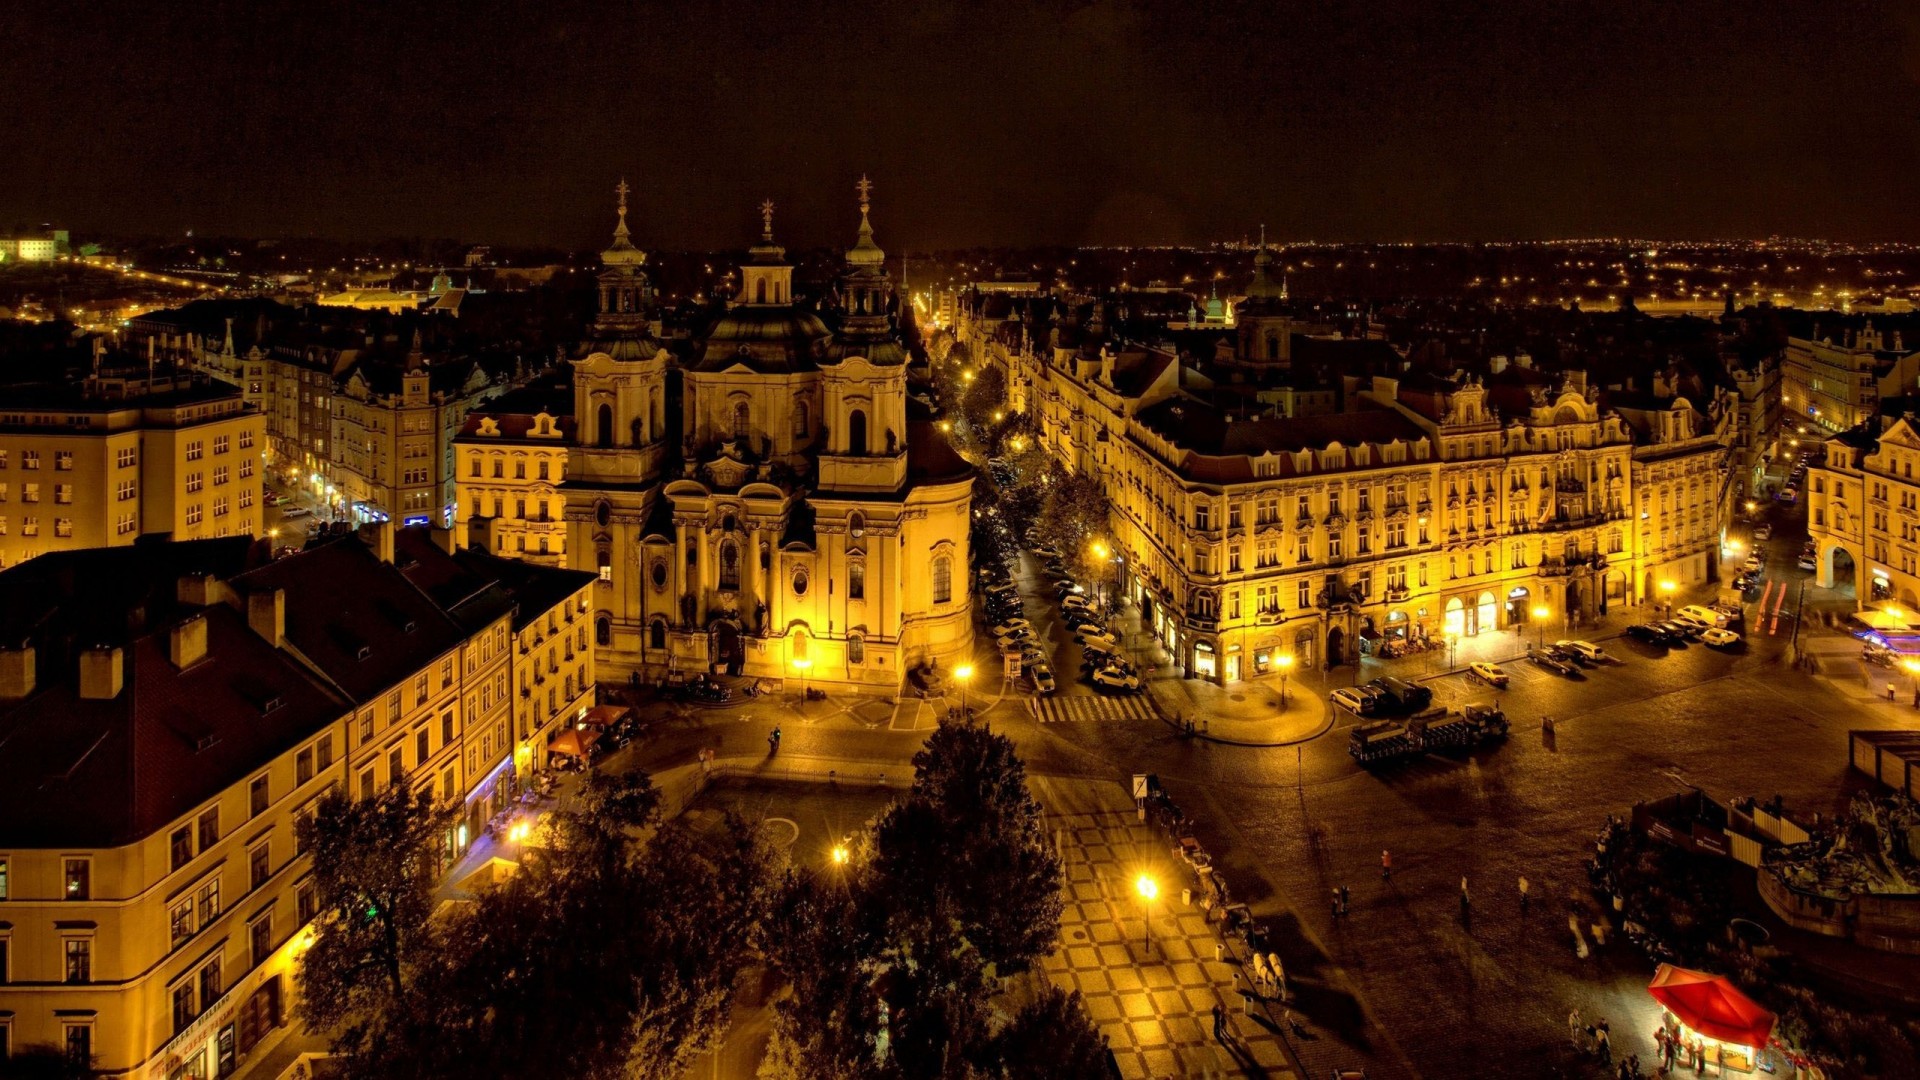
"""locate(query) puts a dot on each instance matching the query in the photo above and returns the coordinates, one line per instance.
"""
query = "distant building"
(1839, 385)
(125, 455)
(393, 429)
(386, 300)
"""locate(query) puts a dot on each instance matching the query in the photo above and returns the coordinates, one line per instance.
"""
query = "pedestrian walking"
(1602, 1045)
(1345, 894)
(1336, 903)
(1465, 900)
(1219, 1023)
(1889, 693)
(1386, 865)
(1524, 889)
(1573, 1025)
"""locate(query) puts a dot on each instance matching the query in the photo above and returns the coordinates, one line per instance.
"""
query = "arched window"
(729, 565)
(742, 419)
(800, 418)
(942, 580)
(857, 432)
(799, 645)
(657, 634)
(856, 649)
(760, 291)
(603, 428)
(856, 524)
(857, 581)
(602, 630)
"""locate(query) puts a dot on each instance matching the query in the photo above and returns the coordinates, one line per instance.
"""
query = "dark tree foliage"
(1074, 517)
(42, 1062)
(1050, 1038)
(893, 962)
(374, 870)
(612, 952)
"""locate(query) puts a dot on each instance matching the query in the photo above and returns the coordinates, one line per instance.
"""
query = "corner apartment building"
(1428, 507)
(169, 712)
(125, 455)
(510, 460)
(1839, 385)
(1863, 515)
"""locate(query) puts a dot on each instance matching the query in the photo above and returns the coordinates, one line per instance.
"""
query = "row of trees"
(615, 948)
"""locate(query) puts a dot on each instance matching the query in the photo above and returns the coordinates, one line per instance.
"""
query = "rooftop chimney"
(102, 673)
(200, 590)
(379, 536)
(16, 672)
(267, 615)
(187, 642)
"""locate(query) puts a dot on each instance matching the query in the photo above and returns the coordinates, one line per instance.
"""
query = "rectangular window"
(257, 796)
(123, 458)
(260, 934)
(79, 877)
(305, 903)
(259, 865)
(3, 879)
(446, 673)
(446, 727)
(220, 443)
(193, 451)
(63, 460)
(1306, 594)
(30, 459)
(180, 921)
(220, 474)
(396, 765)
(246, 440)
(195, 481)
(367, 788)
(63, 494)
(323, 753)
(366, 724)
(180, 846)
(124, 491)
(30, 493)
(210, 985)
(420, 690)
(206, 903)
(303, 766)
(183, 1005)
(79, 960)
(421, 750)
(80, 1045)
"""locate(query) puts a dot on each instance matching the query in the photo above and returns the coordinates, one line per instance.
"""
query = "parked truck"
(1433, 729)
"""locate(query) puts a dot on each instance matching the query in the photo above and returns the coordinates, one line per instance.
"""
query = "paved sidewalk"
(1153, 1002)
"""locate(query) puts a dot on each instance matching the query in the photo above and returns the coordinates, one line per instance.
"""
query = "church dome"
(766, 337)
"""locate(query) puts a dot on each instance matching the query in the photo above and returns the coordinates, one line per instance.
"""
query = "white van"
(1704, 615)
(1355, 699)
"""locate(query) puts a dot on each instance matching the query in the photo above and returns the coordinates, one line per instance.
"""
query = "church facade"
(767, 498)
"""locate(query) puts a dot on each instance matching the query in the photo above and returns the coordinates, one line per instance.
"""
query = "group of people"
(1673, 1045)
(1690, 1052)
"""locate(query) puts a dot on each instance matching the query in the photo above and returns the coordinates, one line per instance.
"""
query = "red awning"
(605, 715)
(571, 742)
(1712, 1006)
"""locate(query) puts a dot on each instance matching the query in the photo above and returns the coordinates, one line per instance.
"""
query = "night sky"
(980, 122)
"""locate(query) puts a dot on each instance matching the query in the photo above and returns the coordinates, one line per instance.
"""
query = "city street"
(1401, 983)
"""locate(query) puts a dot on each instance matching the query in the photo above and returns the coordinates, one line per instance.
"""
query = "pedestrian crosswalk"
(1074, 709)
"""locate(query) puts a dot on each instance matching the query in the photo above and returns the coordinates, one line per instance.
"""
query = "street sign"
(1012, 659)
(1139, 785)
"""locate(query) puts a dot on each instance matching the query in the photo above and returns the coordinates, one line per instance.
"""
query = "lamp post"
(1286, 669)
(1148, 889)
(962, 675)
(801, 664)
(1540, 614)
(1666, 595)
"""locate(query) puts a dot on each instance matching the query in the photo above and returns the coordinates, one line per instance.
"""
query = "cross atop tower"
(766, 220)
(621, 190)
(865, 188)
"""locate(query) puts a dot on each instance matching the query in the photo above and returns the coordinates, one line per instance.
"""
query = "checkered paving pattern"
(1155, 1007)
(1064, 710)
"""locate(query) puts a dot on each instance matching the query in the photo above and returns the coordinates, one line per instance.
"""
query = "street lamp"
(1540, 614)
(801, 664)
(1666, 593)
(839, 854)
(962, 674)
(1148, 889)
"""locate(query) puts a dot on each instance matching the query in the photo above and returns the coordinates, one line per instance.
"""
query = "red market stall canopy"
(601, 716)
(1712, 1006)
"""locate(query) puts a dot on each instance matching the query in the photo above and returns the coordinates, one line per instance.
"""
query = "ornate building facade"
(1426, 507)
(769, 501)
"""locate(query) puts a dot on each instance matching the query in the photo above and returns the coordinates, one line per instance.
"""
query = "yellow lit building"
(1839, 385)
(122, 456)
(510, 459)
(1863, 515)
(170, 715)
(800, 515)
(1428, 508)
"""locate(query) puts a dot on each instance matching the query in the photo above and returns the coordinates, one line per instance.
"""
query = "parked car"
(1078, 618)
(1046, 552)
(1703, 615)
(295, 512)
(1115, 681)
(1011, 627)
(1586, 650)
(1096, 636)
(1719, 638)
(1746, 582)
(1042, 677)
(1763, 532)
(1550, 661)
(1065, 588)
(1789, 494)
(1689, 626)
(1681, 629)
(1357, 700)
(1399, 695)
(1491, 674)
(1649, 633)
(1075, 600)
(1806, 563)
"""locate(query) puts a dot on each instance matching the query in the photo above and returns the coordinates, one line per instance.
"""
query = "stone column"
(754, 593)
(680, 573)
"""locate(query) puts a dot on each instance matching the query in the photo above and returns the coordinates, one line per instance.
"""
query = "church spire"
(865, 252)
(622, 252)
(766, 221)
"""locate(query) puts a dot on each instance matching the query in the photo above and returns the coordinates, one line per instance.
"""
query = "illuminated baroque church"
(765, 498)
